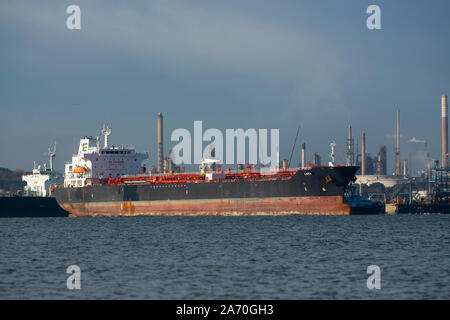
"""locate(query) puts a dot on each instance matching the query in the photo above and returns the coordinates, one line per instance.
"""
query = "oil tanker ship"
(109, 181)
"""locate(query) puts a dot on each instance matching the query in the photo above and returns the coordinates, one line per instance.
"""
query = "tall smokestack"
(363, 154)
(303, 155)
(405, 168)
(350, 158)
(444, 131)
(160, 144)
(397, 148)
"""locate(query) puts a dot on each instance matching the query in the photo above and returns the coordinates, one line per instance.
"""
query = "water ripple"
(226, 257)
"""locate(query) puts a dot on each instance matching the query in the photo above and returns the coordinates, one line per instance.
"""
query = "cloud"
(415, 140)
(393, 136)
(183, 36)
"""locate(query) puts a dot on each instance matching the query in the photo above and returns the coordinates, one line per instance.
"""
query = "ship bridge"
(94, 162)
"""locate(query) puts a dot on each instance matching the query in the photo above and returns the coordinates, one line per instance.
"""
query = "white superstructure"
(93, 162)
(40, 181)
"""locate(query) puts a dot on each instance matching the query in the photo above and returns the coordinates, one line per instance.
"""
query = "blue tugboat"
(360, 206)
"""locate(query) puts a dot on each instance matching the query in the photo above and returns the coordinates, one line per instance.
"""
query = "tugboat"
(360, 206)
(37, 200)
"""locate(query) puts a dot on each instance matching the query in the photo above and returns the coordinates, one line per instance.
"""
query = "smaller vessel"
(360, 206)
(37, 200)
(30, 207)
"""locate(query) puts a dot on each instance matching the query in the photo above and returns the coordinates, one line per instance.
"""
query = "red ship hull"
(329, 205)
(312, 191)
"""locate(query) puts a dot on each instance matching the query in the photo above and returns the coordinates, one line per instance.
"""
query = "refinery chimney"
(405, 168)
(363, 154)
(350, 157)
(444, 131)
(303, 155)
(160, 144)
(397, 148)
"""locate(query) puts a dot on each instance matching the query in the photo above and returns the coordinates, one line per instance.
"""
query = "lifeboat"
(79, 169)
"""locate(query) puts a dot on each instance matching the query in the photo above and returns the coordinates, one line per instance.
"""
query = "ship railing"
(197, 177)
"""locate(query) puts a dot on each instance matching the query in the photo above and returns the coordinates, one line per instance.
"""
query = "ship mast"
(106, 131)
(52, 154)
(333, 154)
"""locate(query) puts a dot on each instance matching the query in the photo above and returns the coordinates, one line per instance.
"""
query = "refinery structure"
(432, 182)
(374, 170)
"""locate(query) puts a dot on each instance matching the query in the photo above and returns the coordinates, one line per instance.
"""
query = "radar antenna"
(106, 131)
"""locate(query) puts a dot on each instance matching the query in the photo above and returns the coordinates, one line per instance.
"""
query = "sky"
(232, 64)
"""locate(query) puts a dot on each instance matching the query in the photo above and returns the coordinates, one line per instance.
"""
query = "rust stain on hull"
(328, 205)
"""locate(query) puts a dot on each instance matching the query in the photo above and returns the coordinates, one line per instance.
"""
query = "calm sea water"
(226, 257)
